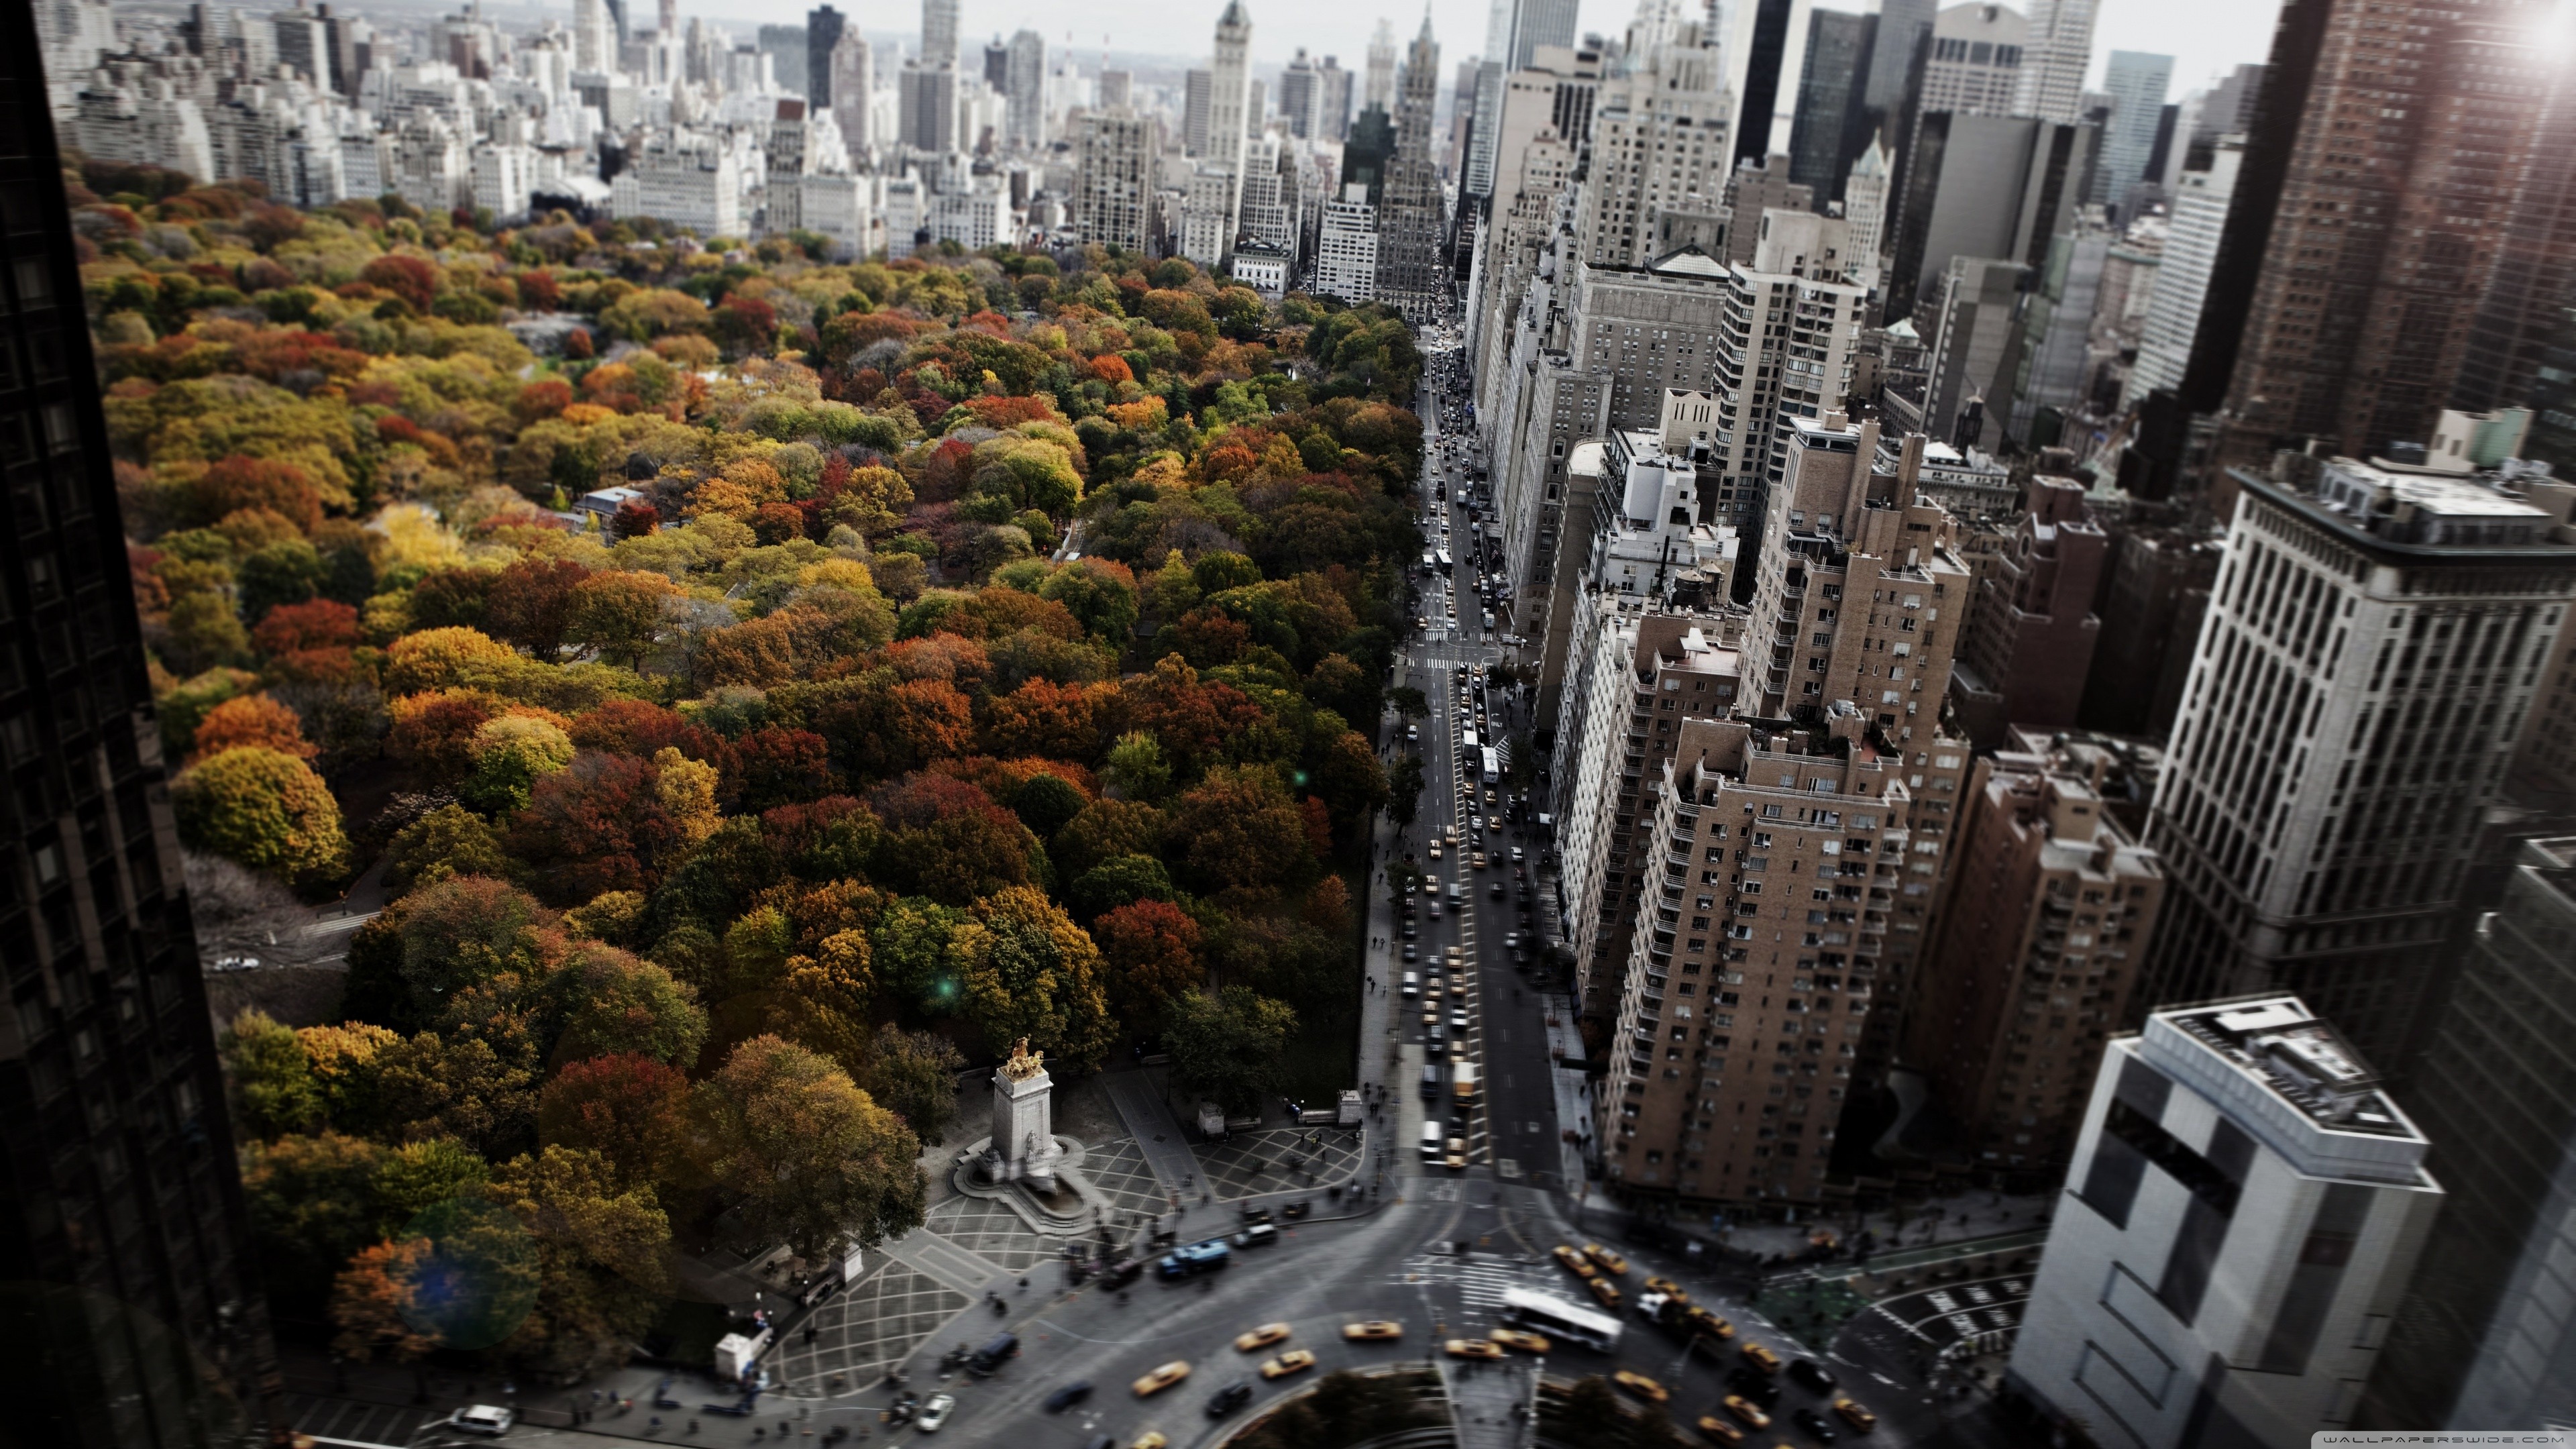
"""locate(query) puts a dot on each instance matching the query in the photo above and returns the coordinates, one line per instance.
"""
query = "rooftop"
(2291, 1079)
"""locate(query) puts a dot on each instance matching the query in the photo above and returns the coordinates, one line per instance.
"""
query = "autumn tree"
(263, 809)
(1041, 717)
(1026, 970)
(251, 720)
(608, 1001)
(602, 1262)
(948, 840)
(805, 1154)
(631, 1109)
(618, 614)
(376, 1304)
(914, 1075)
(1243, 830)
(273, 1087)
(533, 604)
(776, 766)
(448, 841)
(1227, 1046)
(1119, 881)
(1149, 949)
(312, 1206)
(604, 823)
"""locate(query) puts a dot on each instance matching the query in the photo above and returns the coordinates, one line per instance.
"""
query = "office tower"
(1784, 350)
(1378, 87)
(1983, 186)
(1897, 58)
(939, 33)
(1785, 850)
(2534, 277)
(1642, 665)
(1859, 595)
(1117, 89)
(1975, 319)
(1300, 96)
(853, 90)
(1113, 195)
(1766, 51)
(2482, 1339)
(1230, 119)
(1410, 222)
(2352, 334)
(1198, 92)
(2196, 220)
(2390, 628)
(2243, 1210)
(2054, 372)
(2030, 635)
(1658, 142)
(997, 67)
(1256, 107)
(2226, 109)
(823, 29)
(1026, 88)
(1975, 64)
(2046, 913)
(135, 1318)
(1332, 101)
(1346, 246)
(1514, 31)
(2058, 52)
(926, 108)
(594, 47)
(785, 47)
(1865, 211)
(1479, 108)
(1833, 122)
(2136, 82)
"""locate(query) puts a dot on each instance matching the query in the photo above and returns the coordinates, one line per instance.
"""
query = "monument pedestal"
(1023, 1145)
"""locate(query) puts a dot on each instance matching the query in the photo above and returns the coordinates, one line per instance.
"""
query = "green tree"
(264, 809)
(312, 1204)
(1046, 803)
(603, 1261)
(804, 1154)
(914, 1075)
(1227, 1047)
(610, 1001)
(273, 1087)
(1137, 769)
(1119, 881)
(1404, 790)
(1409, 703)
(448, 841)
(417, 1176)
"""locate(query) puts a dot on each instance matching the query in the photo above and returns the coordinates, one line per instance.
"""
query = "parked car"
(489, 1420)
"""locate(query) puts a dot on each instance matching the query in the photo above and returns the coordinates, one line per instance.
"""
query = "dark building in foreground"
(130, 1311)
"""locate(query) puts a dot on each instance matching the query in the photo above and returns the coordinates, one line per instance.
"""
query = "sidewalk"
(1958, 1218)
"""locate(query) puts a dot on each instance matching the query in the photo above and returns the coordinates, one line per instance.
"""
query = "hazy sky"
(2205, 37)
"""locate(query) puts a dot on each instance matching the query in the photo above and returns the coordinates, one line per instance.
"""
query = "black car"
(1814, 1423)
(1254, 1214)
(1068, 1396)
(1230, 1398)
(1122, 1272)
(1753, 1384)
(1812, 1375)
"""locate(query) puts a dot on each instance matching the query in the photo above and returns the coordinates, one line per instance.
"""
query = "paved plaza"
(1249, 1164)
(865, 1327)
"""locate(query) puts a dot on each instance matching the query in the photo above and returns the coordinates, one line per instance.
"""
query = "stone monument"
(1023, 1147)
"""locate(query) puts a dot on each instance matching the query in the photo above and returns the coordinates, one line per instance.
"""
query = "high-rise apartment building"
(2057, 54)
(926, 108)
(2136, 82)
(2534, 277)
(1975, 64)
(1116, 88)
(1539, 153)
(2060, 348)
(2029, 640)
(2047, 909)
(823, 29)
(2387, 630)
(1658, 143)
(2487, 1336)
(1346, 247)
(1865, 211)
(854, 91)
(2151, 609)
(1300, 95)
(1784, 350)
(2195, 221)
(1410, 208)
(939, 33)
(1758, 185)
(1742, 1019)
(997, 67)
(2353, 333)
(1025, 87)
(1198, 96)
(135, 1317)
(2243, 1210)
(1113, 189)
(1515, 31)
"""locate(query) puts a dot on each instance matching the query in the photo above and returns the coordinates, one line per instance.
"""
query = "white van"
(1434, 1142)
(1412, 984)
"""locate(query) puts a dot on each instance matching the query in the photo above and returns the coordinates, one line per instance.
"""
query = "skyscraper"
(2195, 221)
(2136, 82)
(1410, 220)
(1229, 88)
(1832, 120)
(2388, 629)
(2534, 277)
(1332, 101)
(2353, 333)
(134, 1316)
(853, 87)
(2244, 1201)
(1026, 90)
(1300, 96)
(1659, 143)
(1113, 192)
(1766, 57)
(2060, 51)
(1378, 88)
(823, 27)
(1198, 91)
(939, 32)
(1976, 59)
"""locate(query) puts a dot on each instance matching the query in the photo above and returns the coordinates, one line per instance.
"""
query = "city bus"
(1548, 1314)
(1493, 766)
(1446, 565)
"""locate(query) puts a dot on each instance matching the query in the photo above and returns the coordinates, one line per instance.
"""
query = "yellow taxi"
(1517, 1338)
(1610, 1262)
(1747, 1410)
(1162, 1378)
(1435, 850)
(1760, 1357)
(1476, 861)
(1262, 1337)
(1150, 1439)
(1575, 1263)
(1669, 1289)
(1456, 1161)
(1294, 1361)
(1717, 1431)
(1375, 1330)
(1642, 1386)
(1856, 1416)
(1703, 1321)
(1604, 1290)
(1484, 1348)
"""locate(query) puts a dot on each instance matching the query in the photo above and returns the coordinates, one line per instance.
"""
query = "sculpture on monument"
(1023, 1147)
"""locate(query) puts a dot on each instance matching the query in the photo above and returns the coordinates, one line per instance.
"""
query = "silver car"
(935, 1412)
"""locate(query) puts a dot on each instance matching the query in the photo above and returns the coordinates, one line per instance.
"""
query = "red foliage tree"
(1007, 413)
(237, 482)
(1043, 718)
(1112, 369)
(628, 1108)
(745, 324)
(251, 720)
(950, 841)
(1210, 637)
(412, 279)
(945, 472)
(600, 824)
(634, 517)
(578, 346)
(531, 604)
(538, 292)
(779, 522)
(313, 624)
(1151, 948)
(433, 734)
(543, 399)
(775, 766)
(638, 727)
(1192, 720)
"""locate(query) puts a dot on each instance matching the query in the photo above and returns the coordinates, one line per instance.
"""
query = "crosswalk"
(1479, 1282)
